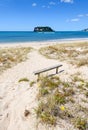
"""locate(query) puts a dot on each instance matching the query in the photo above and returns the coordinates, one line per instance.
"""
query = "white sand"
(17, 97)
(38, 44)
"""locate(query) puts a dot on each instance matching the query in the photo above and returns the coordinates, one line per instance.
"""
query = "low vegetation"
(81, 123)
(11, 56)
(60, 100)
(72, 53)
(23, 80)
(32, 83)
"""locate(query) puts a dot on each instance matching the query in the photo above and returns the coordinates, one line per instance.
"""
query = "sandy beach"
(18, 100)
(52, 42)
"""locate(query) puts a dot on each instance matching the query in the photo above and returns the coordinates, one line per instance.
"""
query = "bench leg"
(38, 77)
(57, 70)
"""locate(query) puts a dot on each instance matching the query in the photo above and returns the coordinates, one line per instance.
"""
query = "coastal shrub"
(50, 98)
(46, 113)
(47, 85)
(49, 82)
(59, 97)
(60, 101)
(43, 92)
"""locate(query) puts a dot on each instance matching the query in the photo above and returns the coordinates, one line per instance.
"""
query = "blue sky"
(24, 15)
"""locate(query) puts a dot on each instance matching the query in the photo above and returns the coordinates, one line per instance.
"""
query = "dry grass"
(61, 101)
(82, 62)
(72, 53)
(81, 123)
(12, 56)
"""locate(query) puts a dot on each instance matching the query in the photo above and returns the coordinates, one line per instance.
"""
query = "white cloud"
(34, 4)
(80, 15)
(72, 20)
(52, 3)
(75, 20)
(67, 1)
(78, 18)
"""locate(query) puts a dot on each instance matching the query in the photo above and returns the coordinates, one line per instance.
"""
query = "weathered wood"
(57, 70)
(47, 69)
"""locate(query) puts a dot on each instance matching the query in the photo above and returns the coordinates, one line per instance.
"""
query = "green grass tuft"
(24, 80)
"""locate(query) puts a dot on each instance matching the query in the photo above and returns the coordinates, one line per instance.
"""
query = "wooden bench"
(47, 69)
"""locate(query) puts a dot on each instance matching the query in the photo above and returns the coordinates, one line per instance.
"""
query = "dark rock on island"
(43, 29)
(85, 30)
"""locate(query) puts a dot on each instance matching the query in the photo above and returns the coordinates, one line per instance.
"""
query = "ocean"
(29, 36)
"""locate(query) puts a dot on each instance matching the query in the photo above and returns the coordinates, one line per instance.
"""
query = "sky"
(60, 15)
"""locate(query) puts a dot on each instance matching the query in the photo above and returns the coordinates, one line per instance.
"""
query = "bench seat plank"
(46, 69)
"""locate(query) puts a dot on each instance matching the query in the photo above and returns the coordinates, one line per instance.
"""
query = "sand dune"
(16, 98)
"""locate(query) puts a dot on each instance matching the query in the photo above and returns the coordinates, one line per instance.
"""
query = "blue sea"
(29, 36)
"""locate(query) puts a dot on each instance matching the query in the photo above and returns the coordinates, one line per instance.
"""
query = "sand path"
(16, 97)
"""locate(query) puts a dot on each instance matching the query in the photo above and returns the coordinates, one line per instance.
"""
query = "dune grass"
(60, 100)
(76, 54)
(11, 56)
(81, 123)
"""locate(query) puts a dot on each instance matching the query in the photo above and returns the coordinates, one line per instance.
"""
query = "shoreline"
(42, 43)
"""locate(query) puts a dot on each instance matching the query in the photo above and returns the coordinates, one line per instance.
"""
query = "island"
(85, 30)
(43, 29)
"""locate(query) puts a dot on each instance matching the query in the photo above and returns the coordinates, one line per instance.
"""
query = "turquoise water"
(25, 36)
